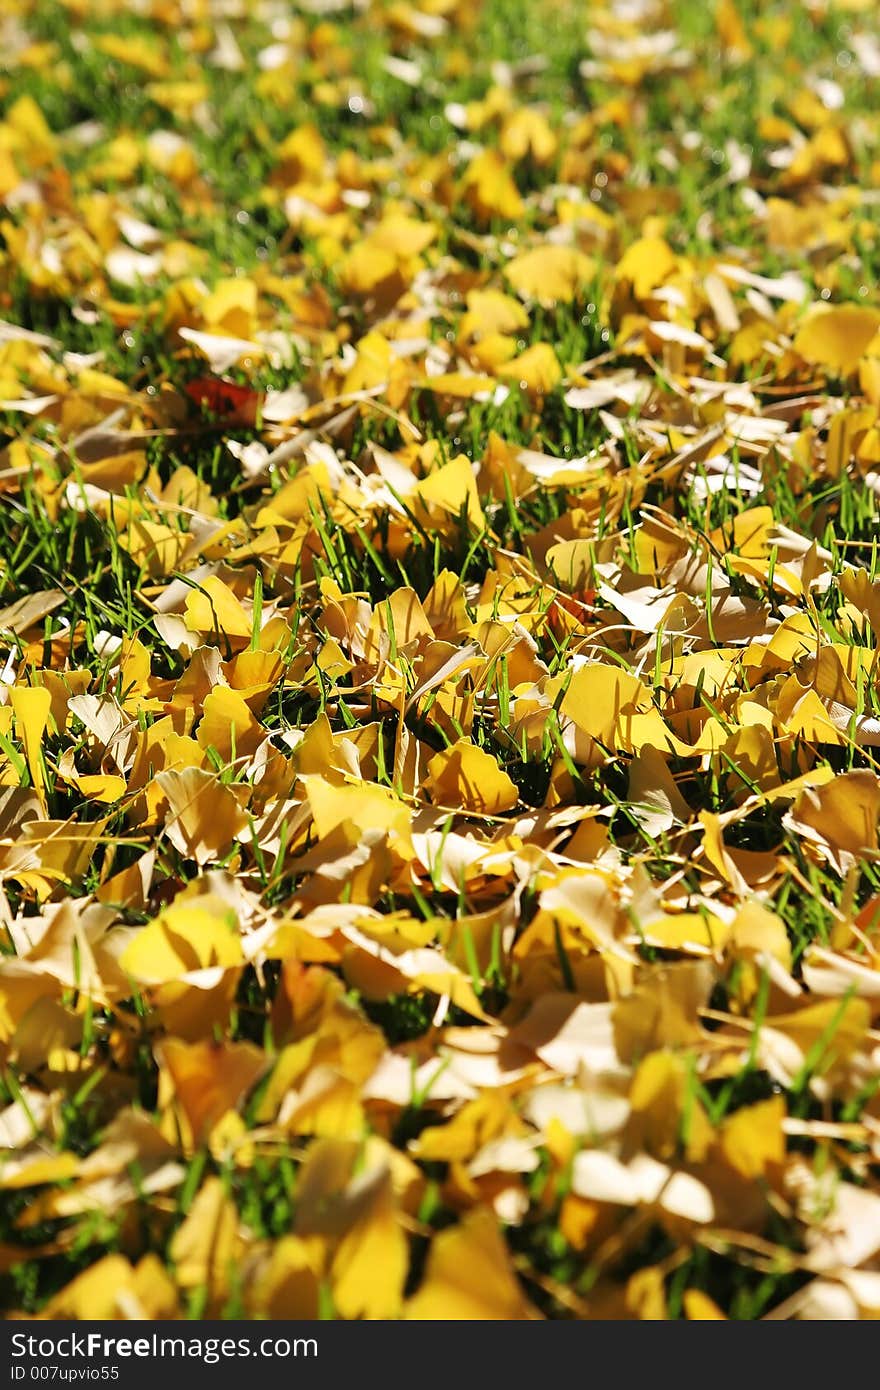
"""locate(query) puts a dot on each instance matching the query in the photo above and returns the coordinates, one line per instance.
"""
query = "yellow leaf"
(370, 1265)
(463, 384)
(732, 34)
(232, 308)
(302, 153)
(646, 1294)
(367, 266)
(203, 816)
(206, 1247)
(550, 274)
(528, 132)
(181, 97)
(571, 563)
(469, 1276)
(477, 1123)
(468, 777)
(490, 311)
(837, 337)
(840, 818)
(113, 1289)
(187, 936)
(836, 1027)
(615, 708)
(289, 1287)
(29, 125)
(752, 1138)
(228, 726)
(490, 189)
(207, 1079)
(34, 1169)
(647, 264)
(698, 1307)
(367, 806)
(373, 365)
(661, 1098)
(748, 533)
(490, 353)
(398, 622)
(214, 609)
(847, 428)
(536, 370)
(452, 489)
(135, 51)
(32, 705)
(755, 928)
(403, 236)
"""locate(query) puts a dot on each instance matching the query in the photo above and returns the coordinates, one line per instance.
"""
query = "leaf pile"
(439, 688)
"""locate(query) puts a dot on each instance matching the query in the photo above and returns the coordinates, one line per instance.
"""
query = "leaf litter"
(439, 692)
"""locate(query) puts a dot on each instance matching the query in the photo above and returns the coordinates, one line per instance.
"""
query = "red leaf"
(221, 397)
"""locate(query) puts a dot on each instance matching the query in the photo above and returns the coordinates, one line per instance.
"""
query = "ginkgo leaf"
(207, 1080)
(206, 1246)
(550, 274)
(699, 1307)
(452, 490)
(289, 1286)
(370, 1264)
(603, 1178)
(468, 1276)
(185, 937)
(837, 337)
(213, 608)
(466, 776)
(490, 311)
(231, 307)
(527, 132)
(840, 817)
(646, 265)
(615, 708)
(490, 188)
(537, 369)
(31, 708)
(659, 1098)
(203, 816)
(753, 1138)
(113, 1288)
(367, 806)
(135, 52)
(367, 266)
(227, 725)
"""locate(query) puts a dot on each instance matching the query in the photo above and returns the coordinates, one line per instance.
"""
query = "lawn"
(439, 683)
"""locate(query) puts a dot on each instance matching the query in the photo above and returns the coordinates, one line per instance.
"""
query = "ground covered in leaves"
(439, 690)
